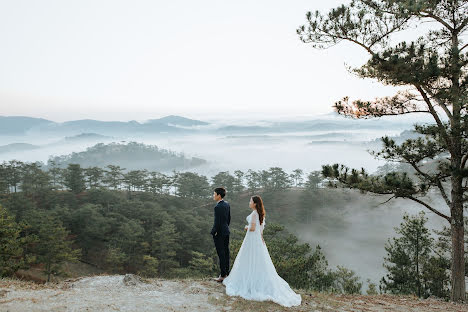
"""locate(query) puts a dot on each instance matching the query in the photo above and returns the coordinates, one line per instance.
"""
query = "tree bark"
(457, 224)
(458, 244)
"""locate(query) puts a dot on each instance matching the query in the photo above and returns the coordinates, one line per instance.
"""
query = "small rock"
(131, 280)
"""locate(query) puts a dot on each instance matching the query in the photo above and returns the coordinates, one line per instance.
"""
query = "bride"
(253, 275)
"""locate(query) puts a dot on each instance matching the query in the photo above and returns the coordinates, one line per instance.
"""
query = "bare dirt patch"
(131, 293)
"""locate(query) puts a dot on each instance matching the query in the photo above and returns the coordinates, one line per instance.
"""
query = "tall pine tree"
(433, 69)
(406, 257)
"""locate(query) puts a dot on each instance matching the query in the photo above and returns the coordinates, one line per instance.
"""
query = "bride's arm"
(253, 222)
(261, 229)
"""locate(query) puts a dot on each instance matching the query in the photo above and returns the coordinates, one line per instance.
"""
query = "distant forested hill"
(22, 125)
(17, 147)
(19, 125)
(131, 156)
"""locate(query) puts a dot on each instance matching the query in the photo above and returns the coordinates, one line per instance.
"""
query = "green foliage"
(11, 244)
(18, 204)
(115, 259)
(397, 183)
(372, 288)
(278, 178)
(52, 247)
(94, 176)
(191, 184)
(411, 266)
(127, 234)
(55, 174)
(74, 178)
(154, 233)
(313, 179)
(444, 239)
(135, 179)
(113, 176)
(158, 183)
(238, 185)
(34, 180)
(296, 177)
(149, 266)
(346, 281)
(223, 179)
(164, 246)
(253, 181)
(436, 276)
(11, 175)
(291, 260)
(200, 265)
(90, 227)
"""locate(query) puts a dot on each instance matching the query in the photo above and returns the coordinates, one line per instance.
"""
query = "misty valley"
(120, 188)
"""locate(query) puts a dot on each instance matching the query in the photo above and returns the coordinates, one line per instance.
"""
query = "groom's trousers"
(222, 248)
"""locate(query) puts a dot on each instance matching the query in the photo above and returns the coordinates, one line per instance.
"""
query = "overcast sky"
(123, 60)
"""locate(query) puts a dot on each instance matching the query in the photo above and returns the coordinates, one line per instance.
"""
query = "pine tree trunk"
(458, 244)
(457, 222)
(417, 264)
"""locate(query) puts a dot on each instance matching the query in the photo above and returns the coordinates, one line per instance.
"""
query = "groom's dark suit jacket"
(222, 218)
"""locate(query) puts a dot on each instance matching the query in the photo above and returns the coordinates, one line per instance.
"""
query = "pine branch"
(462, 25)
(412, 152)
(354, 23)
(394, 183)
(401, 103)
(336, 39)
(436, 118)
(409, 12)
(437, 18)
(435, 180)
(387, 200)
(395, 28)
(463, 160)
(439, 101)
(430, 208)
(466, 45)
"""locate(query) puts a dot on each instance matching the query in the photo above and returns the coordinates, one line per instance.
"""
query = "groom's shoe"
(220, 278)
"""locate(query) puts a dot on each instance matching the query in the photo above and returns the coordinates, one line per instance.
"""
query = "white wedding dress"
(253, 275)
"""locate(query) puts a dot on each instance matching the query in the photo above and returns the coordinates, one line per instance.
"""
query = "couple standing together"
(253, 275)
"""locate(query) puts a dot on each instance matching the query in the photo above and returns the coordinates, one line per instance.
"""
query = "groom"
(220, 231)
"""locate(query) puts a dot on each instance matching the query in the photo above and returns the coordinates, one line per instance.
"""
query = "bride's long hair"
(259, 206)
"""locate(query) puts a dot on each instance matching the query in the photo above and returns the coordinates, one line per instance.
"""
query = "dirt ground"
(130, 293)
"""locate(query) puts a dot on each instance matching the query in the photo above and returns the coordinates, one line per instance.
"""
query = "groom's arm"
(217, 221)
(229, 216)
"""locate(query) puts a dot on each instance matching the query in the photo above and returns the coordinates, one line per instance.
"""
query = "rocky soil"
(132, 293)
